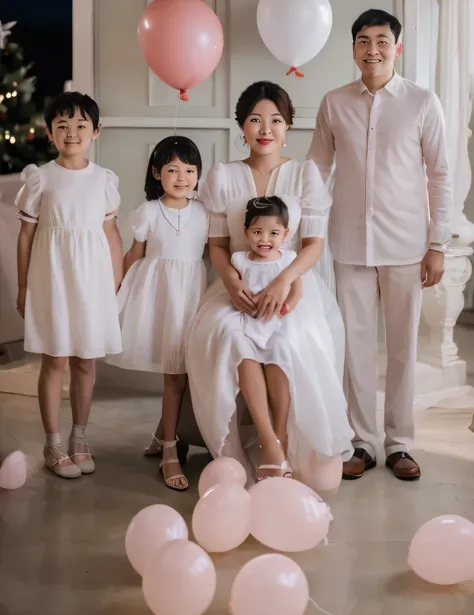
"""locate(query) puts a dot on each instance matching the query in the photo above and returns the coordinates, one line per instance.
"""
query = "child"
(266, 228)
(69, 252)
(165, 279)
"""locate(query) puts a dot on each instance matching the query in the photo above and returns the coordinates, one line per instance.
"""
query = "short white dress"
(71, 306)
(312, 354)
(161, 292)
(258, 275)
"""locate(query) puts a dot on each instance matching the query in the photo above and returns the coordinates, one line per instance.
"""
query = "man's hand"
(432, 268)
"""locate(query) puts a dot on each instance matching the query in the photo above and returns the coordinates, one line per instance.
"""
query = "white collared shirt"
(392, 192)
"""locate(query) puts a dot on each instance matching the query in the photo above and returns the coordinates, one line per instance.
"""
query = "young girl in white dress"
(69, 267)
(165, 279)
(266, 228)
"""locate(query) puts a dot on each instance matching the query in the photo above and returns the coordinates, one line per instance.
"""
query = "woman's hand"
(241, 296)
(271, 299)
(20, 302)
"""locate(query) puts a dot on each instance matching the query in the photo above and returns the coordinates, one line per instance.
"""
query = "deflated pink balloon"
(287, 515)
(149, 530)
(270, 585)
(221, 519)
(13, 471)
(179, 580)
(181, 41)
(222, 470)
(442, 551)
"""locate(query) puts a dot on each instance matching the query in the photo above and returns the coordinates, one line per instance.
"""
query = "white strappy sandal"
(154, 449)
(284, 468)
(168, 458)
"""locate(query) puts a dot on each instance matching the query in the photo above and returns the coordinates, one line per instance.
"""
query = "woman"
(303, 385)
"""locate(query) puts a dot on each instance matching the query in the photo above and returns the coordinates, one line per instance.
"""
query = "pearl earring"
(283, 144)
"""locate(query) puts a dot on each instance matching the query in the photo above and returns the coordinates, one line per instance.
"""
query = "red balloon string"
(183, 95)
(293, 69)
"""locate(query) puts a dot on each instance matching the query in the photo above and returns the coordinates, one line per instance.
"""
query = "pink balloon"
(221, 519)
(181, 41)
(326, 473)
(222, 470)
(179, 580)
(270, 585)
(149, 530)
(442, 551)
(287, 515)
(13, 471)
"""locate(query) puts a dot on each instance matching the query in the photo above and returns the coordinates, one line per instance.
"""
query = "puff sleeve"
(316, 202)
(29, 197)
(213, 195)
(112, 196)
(140, 222)
(238, 260)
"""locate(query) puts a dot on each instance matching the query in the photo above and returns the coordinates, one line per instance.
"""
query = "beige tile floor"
(62, 543)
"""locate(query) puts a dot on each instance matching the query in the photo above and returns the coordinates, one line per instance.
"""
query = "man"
(389, 226)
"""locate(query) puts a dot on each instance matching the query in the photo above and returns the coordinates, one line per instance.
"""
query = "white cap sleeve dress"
(71, 307)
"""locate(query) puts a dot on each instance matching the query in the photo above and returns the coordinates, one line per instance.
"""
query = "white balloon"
(294, 31)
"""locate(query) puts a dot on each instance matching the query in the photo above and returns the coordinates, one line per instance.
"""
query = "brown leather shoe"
(361, 462)
(403, 466)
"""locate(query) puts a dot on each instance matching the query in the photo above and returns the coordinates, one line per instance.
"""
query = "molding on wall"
(83, 46)
(221, 123)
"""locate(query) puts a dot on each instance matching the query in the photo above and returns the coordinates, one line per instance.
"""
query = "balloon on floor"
(149, 530)
(178, 576)
(270, 583)
(13, 471)
(221, 519)
(181, 41)
(294, 31)
(180, 579)
(442, 550)
(223, 470)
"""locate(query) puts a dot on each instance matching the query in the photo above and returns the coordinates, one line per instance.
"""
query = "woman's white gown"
(312, 354)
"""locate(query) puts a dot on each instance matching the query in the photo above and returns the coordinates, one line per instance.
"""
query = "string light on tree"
(22, 141)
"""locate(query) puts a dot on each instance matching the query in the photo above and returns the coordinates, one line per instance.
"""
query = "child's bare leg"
(279, 396)
(173, 391)
(81, 391)
(254, 390)
(49, 398)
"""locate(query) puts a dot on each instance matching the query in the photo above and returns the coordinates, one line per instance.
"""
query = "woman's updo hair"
(264, 90)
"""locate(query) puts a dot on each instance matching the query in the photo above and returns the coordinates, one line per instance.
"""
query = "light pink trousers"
(359, 291)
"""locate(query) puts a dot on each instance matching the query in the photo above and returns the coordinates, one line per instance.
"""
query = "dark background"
(44, 30)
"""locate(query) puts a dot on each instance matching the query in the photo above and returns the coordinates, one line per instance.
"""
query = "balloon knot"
(294, 69)
(183, 95)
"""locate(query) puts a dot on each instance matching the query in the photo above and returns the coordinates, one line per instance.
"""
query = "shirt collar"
(392, 87)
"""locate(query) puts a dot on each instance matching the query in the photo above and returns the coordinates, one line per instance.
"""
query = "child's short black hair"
(167, 149)
(266, 206)
(67, 103)
(376, 17)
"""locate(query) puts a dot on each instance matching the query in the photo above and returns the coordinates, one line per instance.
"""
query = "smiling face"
(375, 52)
(265, 129)
(265, 236)
(72, 136)
(177, 178)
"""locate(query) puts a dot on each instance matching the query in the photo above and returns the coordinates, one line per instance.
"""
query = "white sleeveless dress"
(258, 275)
(312, 354)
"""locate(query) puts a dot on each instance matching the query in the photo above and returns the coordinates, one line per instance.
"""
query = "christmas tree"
(22, 137)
